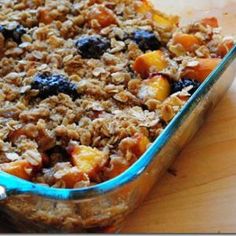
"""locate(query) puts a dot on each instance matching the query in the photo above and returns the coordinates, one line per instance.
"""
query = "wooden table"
(202, 196)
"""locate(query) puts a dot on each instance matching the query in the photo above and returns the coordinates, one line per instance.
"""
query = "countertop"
(199, 193)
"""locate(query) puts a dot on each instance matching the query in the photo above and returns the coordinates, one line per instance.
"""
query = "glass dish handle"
(5, 185)
(10, 185)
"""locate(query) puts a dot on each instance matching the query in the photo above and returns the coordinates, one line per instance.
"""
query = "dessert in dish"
(87, 86)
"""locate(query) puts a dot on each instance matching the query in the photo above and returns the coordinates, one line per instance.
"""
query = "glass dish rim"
(14, 185)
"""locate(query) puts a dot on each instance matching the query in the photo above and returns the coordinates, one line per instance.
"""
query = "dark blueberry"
(14, 34)
(49, 85)
(4, 31)
(57, 154)
(146, 40)
(17, 33)
(180, 85)
(92, 46)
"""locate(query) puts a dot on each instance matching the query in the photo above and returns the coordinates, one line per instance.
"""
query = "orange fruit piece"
(17, 168)
(157, 87)
(203, 69)
(141, 144)
(211, 21)
(150, 62)
(44, 16)
(188, 41)
(87, 159)
(225, 47)
(103, 15)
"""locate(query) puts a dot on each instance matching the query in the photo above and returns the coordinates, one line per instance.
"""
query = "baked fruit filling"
(87, 86)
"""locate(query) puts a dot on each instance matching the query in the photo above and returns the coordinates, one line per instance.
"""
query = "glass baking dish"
(30, 207)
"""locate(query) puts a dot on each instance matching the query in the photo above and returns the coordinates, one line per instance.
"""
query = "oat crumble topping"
(87, 85)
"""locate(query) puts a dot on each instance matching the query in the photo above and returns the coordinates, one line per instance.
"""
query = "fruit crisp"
(87, 85)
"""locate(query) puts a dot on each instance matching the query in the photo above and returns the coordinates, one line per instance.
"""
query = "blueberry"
(14, 34)
(180, 85)
(17, 33)
(57, 154)
(53, 84)
(146, 40)
(92, 46)
(2, 29)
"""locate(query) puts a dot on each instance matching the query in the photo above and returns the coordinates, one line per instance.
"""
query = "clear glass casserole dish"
(103, 208)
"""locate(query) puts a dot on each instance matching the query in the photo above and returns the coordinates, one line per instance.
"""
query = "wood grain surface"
(201, 197)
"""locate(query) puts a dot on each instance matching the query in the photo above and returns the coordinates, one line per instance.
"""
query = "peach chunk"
(188, 41)
(17, 168)
(145, 7)
(201, 71)
(103, 15)
(164, 22)
(157, 87)
(44, 16)
(225, 47)
(118, 166)
(210, 21)
(150, 62)
(87, 159)
(141, 144)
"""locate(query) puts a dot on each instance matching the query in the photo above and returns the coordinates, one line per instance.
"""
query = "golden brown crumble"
(115, 113)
